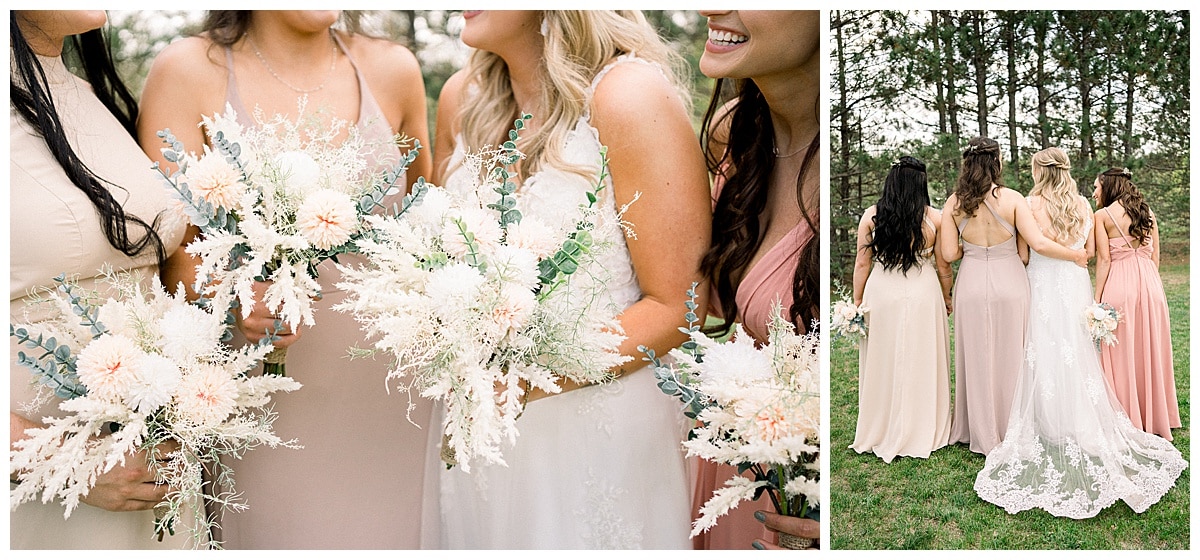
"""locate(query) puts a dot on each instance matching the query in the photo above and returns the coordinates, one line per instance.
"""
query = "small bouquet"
(152, 369)
(1101, 320)
(479, 304)
(274, 201)
(757, 408)
(849, 321)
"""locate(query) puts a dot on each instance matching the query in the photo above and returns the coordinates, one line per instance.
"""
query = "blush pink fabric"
(1140, 367)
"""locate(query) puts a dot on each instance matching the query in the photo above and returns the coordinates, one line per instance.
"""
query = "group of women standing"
(84, 196)
(1030, 392)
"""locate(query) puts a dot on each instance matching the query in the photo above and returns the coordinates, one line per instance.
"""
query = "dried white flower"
(109, 365)
(327, 218)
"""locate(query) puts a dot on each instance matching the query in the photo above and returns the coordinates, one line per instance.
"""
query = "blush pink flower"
(109, 366)
(327, 218)
(215, 180)
(207, 395)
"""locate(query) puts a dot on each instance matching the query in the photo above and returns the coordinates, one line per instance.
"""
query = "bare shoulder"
(933, 214)
(633, 94)
(388, 65)
(195, 57)
(868, 216)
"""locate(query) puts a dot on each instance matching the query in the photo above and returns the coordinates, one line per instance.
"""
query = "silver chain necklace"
(332, 63)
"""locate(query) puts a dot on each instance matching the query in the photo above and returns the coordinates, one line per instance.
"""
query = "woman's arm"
(1089, 244)
(950, 249)
(1103, 257)
(1028, 227)
(447, 124)
(1156, 254)
(944, 270)
(394, 76)
(863, 254)
(653, 151)
(1022, 249)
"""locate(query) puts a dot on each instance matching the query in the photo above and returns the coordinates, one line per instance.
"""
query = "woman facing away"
(357, 481)
(1140, 368)
(597, 466)
(991, 294)
(1069, 449)
(83, 197)
(902, 279)
(762, 144)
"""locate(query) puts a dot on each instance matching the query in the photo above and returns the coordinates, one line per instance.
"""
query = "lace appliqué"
(604, 526)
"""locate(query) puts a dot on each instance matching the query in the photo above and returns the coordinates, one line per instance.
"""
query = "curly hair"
(979, 175)
(746, 168)
(899, 236)
(1116, 185)
(1053, 182)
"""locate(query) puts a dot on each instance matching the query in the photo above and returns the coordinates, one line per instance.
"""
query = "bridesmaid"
(357, 481)
(904, 361)
(762, 143)
(1140, 367)
(991, 293)
(82, 197)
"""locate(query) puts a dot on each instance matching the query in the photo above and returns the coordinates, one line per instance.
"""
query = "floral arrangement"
(849, 321)
(273, 201)
(1101, 320)
(757, 408)
(151, 369)
(479, 304)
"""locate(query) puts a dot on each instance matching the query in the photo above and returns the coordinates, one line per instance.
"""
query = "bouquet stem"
(274, 362)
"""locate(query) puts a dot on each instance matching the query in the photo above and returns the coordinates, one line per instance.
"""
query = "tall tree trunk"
(843, 129)
(1127, 134)
(935, 34)
(980, 59)
(1083, 54)
(1010, 50)
(1040, 30)
(950, 77)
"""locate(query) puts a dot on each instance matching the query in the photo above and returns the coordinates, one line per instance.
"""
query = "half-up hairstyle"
(899, 237)
(979, 172)
(577, 45)
(1116, 185)
(1053, 182)
(30, 97)
(746, 166)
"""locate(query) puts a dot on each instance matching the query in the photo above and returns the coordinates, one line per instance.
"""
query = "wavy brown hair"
(979, 174)
(746, 167)
(1116, 185)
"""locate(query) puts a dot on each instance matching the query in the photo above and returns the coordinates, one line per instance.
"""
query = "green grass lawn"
(931, 503)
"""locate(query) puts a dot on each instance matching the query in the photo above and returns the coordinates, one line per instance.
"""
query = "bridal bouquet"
(849, 321)
(273, 201)
(757, 408)
(1101, 320)
(479, 304)
(151, 369)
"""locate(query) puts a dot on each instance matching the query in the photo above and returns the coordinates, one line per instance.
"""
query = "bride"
(1069, 448)
(596, 467)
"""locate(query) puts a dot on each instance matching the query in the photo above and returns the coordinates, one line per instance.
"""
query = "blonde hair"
(577, 45)
(1053, 182)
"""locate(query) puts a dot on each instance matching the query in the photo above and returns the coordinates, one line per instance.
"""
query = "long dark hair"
(226, 27)
(746, 169)
(898, 236)
(1116, 184)
(29, 94)
(980, 170)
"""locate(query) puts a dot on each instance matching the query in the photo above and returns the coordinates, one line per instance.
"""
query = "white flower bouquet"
(479, 304)
(151, 369)
(273, 201)
(757, 408)
(1101, 320)
(849, 321)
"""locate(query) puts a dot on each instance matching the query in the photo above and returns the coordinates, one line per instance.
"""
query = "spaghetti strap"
(1007, 227)
(232, 98)
(1118, 226)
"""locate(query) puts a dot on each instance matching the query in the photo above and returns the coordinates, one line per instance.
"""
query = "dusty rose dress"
(770, 278)
(991, 307)
(357, 481)
(1140, 368)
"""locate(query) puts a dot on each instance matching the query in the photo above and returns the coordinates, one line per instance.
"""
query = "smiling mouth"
(726, 38)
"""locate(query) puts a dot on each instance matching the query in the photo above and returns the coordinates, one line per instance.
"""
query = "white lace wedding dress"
(599, 467)
(1070, 449)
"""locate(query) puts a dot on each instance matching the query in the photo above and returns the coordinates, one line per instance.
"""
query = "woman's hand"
(130, 487)
(795, 526)
(261, 322)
